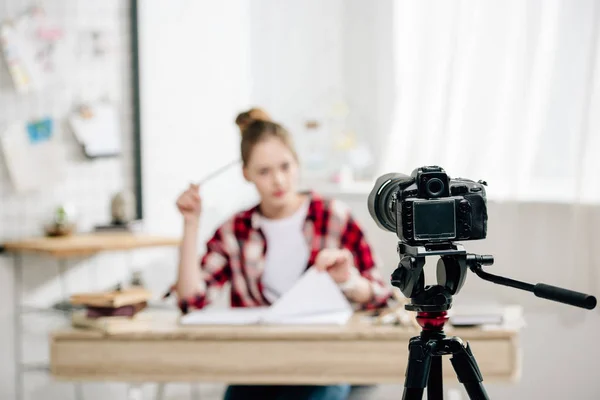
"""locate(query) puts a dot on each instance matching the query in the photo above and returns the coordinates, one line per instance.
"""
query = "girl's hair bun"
(244, 119)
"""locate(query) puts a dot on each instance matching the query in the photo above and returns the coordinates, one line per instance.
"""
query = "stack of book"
(112, 311)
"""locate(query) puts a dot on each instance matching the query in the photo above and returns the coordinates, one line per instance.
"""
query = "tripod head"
(451, 273)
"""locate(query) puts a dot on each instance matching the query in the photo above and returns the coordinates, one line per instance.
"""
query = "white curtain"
(508, 92)
(505, 91)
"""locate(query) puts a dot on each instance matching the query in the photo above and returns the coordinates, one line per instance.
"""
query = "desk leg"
(17, 328)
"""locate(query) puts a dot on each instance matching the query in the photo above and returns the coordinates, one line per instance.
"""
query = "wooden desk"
(62, 248)
(359, 353)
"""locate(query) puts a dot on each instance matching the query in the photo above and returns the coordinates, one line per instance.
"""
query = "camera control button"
(459, 189)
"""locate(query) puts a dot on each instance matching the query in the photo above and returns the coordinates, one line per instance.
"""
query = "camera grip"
(564, 296)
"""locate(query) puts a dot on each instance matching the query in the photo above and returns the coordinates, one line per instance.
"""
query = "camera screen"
(434, 219)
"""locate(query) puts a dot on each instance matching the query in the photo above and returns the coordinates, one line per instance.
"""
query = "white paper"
(315, 293)
(31, 166)
(314, 299)
(231, 316)
(100, 134)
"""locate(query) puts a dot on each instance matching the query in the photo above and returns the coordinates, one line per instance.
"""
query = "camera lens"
(382, 200)
(435, 187)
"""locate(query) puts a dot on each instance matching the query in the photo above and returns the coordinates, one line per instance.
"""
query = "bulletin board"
(61, 62)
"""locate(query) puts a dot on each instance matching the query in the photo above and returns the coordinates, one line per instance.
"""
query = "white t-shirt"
(287, 252)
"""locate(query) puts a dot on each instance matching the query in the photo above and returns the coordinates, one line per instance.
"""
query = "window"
(505, 92)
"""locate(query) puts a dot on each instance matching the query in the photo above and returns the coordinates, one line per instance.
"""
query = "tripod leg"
(417, 370)
(435, 386)
(468, 372)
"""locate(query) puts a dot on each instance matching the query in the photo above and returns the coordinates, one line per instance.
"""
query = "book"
(124, 311)
(113, 299)
(314, 300)
(112, 324)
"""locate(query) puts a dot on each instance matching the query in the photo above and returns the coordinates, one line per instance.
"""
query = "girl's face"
(273, 169)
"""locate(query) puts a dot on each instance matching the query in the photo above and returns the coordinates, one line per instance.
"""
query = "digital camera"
(429, 207)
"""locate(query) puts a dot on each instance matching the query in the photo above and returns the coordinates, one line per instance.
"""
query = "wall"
(337, 72)
(297, 72)
(368, 69)
(195, 78)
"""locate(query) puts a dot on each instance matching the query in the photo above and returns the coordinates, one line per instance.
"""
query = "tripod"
(425, 361)
(425, 351)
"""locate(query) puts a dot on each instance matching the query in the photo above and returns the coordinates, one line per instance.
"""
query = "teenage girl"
(262, 251)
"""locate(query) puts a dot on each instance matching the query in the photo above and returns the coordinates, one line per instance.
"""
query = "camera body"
(430, 207)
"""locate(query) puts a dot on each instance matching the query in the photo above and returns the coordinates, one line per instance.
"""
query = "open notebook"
(314, 299)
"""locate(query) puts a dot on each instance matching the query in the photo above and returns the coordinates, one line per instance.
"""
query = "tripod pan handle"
(564, 296)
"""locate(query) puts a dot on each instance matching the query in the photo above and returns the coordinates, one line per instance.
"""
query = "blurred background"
(136, 99)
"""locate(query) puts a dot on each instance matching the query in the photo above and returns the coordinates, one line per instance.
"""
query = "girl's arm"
(368, 288)
(196, 279)
(188, 273)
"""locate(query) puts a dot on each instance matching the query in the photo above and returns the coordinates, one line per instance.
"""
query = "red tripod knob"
(432, 321)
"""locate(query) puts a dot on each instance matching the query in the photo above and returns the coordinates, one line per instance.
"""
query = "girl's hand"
(337, 262)
(189, 204)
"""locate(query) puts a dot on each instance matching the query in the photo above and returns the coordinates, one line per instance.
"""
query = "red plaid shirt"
(236, 254)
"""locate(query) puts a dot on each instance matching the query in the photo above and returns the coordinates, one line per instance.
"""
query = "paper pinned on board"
(35, 50)
(33, 156)
(314, 300)
(97, 129)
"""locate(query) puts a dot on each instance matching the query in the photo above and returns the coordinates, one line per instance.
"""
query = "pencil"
(218, 172)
